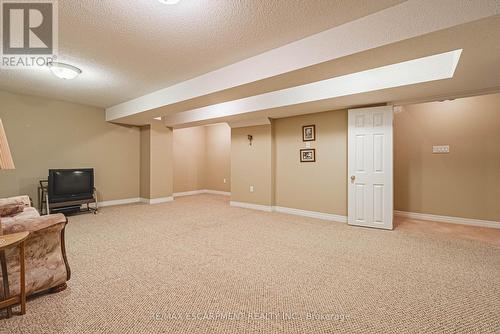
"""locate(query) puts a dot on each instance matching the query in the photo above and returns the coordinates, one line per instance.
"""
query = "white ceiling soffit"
(250, 122)
(410, 19)
(431, 68)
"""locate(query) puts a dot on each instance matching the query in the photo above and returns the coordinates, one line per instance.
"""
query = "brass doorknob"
(353, 177)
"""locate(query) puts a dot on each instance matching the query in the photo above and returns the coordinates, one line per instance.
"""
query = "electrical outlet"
(251, 189)
(441, 149)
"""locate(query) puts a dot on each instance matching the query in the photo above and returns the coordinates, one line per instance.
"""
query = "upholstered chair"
(47, 268)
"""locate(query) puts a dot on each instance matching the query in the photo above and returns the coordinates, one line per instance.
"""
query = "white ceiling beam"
(409, 19)
(430, 68)
(249, 122)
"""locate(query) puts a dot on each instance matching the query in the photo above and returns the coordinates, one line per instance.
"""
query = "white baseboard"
(245, 205)
(157, 200)
(296, 212)
(189, 193)
(217, 192)
(448, 219)
(311, 214)
(202, 191)
(304, 213)
(135, 200)
(119, 202)
(160, 199)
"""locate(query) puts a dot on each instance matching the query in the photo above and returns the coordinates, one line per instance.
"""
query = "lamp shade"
(5, 156)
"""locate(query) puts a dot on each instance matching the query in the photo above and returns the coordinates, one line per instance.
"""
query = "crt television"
(70, 184)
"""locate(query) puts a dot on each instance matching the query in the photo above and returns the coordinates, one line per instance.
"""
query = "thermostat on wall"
(441, 149)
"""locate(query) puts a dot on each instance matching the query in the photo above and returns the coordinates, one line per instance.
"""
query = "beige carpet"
(199, 266)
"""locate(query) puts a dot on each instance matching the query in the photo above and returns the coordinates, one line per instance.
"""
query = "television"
(70, 184)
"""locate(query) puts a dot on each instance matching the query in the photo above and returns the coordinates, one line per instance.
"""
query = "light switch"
(443, 149)
(251, 189)
(225, 181)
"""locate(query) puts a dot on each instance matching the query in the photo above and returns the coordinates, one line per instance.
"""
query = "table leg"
(22, 279)
(5, 279)
(39, 197)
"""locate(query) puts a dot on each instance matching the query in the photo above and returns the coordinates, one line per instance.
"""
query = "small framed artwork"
(309, 133)
(308, 155)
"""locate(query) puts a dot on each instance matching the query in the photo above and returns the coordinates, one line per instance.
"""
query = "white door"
(370, 200)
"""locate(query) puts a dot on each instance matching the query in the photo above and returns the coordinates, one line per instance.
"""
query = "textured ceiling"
(317, 58)
(127, 48)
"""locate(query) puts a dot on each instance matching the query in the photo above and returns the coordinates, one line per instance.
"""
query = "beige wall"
(202, 158)
(145, 163)
(320, 186)
(189, 159)
(252, 165)
(45, 133)
(218, 157)
(161, 161)
(465, 182)
(156, 161)
(272, 164)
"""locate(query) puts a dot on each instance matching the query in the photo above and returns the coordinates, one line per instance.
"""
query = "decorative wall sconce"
(250, 138)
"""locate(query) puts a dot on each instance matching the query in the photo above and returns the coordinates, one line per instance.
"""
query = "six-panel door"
(370, 193)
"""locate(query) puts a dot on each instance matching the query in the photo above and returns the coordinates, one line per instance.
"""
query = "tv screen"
(70, 184)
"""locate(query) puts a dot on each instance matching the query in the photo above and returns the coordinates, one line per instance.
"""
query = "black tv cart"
(45, 207)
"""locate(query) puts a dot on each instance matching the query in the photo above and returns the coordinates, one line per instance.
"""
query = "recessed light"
(64, 71)
(170, 2)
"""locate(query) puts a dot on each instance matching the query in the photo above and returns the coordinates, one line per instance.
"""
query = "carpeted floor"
(198, 266)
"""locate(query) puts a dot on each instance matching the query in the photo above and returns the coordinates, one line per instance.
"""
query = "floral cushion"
(11, 209)
(16, 200)
(13, 205)
(26, 213)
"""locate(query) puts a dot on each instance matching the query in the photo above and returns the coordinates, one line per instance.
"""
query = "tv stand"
(45, 207)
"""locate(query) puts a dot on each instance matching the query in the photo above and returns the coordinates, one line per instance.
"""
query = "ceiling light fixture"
(170, 2)
(64, 71)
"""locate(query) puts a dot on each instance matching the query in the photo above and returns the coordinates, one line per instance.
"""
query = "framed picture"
(309, 133)
(308, 155)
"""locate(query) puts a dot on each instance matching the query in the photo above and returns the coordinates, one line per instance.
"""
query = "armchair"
(47, 268)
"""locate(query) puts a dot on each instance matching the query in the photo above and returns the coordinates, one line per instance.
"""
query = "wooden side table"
(6, 241)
